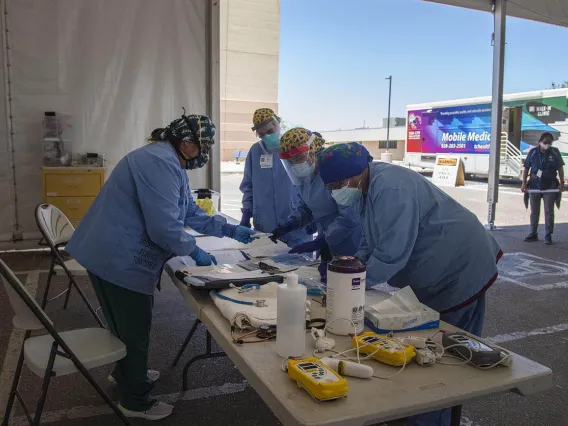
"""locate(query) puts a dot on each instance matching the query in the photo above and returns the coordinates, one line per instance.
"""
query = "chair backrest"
(53, 224)
(28, 314)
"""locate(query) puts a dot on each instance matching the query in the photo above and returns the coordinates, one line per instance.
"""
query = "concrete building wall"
(375, 151)
(250, 47)
(371, 138)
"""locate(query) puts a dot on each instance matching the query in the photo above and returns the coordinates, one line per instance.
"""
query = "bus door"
(512, 117)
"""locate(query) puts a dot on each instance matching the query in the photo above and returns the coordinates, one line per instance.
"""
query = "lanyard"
(542, 157)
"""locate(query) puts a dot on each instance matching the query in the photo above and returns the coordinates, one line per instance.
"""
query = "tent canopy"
(548, 11)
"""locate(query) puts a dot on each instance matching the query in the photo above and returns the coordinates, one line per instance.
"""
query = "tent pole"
(213, 79)
(16, 231)
(500, 17)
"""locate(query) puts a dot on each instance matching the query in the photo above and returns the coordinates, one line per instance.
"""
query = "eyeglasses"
(337, 185)
(272, 125)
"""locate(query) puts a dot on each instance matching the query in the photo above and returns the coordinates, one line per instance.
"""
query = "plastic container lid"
(346, 265)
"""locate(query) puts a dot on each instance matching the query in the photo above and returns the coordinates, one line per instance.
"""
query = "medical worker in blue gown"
(136, 222)
(339, 230)
(417, 236)
(268, 195)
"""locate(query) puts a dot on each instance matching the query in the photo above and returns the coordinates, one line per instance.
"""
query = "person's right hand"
(282, 230)
(202, 258)
(524, 187)
(276, 234)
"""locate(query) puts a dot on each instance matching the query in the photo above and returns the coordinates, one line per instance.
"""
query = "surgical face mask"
(303, 170)
(271, 141)
(545, 146)
(346, 196)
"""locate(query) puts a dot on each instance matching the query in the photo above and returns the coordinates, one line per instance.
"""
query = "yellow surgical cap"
(261, 115)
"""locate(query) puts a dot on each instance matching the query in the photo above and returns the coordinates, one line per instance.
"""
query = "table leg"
(186, 342)
(456, 415)
(208, 354)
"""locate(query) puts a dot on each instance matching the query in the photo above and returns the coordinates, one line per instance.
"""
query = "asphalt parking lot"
(527, 313)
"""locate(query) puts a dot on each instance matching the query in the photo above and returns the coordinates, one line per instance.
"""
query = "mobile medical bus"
(463, 127)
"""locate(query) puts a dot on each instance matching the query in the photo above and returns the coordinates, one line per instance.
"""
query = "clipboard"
(201, 282)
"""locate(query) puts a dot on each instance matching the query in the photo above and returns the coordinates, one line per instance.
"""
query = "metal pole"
(6, 45)
(499, 16)
(213, 92)
(389, 78)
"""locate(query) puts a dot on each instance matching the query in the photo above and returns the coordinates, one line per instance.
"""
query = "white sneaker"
(153, 375)
(159, 411)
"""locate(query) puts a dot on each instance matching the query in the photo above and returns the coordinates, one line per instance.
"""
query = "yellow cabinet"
(73, 207)
(72, 189)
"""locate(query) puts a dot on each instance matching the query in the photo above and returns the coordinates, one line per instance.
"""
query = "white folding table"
(416, 390)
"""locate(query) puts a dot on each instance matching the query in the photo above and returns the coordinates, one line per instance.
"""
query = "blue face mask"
(271, 141)
(303, 170)
(346, 196)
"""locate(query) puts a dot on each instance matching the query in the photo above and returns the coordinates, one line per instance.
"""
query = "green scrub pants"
(129, 317)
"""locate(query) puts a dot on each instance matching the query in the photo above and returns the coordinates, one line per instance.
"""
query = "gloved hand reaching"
(202, 258)
(276, 234)
(244, 235)
(245, 219)
(238, 232)
(283, 230)
(310, 246)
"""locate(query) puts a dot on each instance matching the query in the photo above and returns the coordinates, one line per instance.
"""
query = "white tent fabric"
(547, 11)
(119, 68)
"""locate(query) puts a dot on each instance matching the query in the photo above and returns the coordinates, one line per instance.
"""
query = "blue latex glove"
(237, 232)
(322, 268)
(202, 258)
(310, 246)
(245, 219)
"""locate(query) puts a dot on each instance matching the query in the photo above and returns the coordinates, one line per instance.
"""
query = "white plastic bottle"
(291, 318)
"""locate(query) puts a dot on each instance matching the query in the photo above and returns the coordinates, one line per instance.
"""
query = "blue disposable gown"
(340, 225)
(417, 235)
(137, 220)
(269, 194)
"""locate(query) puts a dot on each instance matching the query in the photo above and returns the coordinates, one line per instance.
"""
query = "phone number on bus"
(453, 145)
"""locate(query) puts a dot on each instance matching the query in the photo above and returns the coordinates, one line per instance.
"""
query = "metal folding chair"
(56, 230)
(55, 354)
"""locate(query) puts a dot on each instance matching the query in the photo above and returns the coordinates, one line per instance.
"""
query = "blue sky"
(335, 55)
